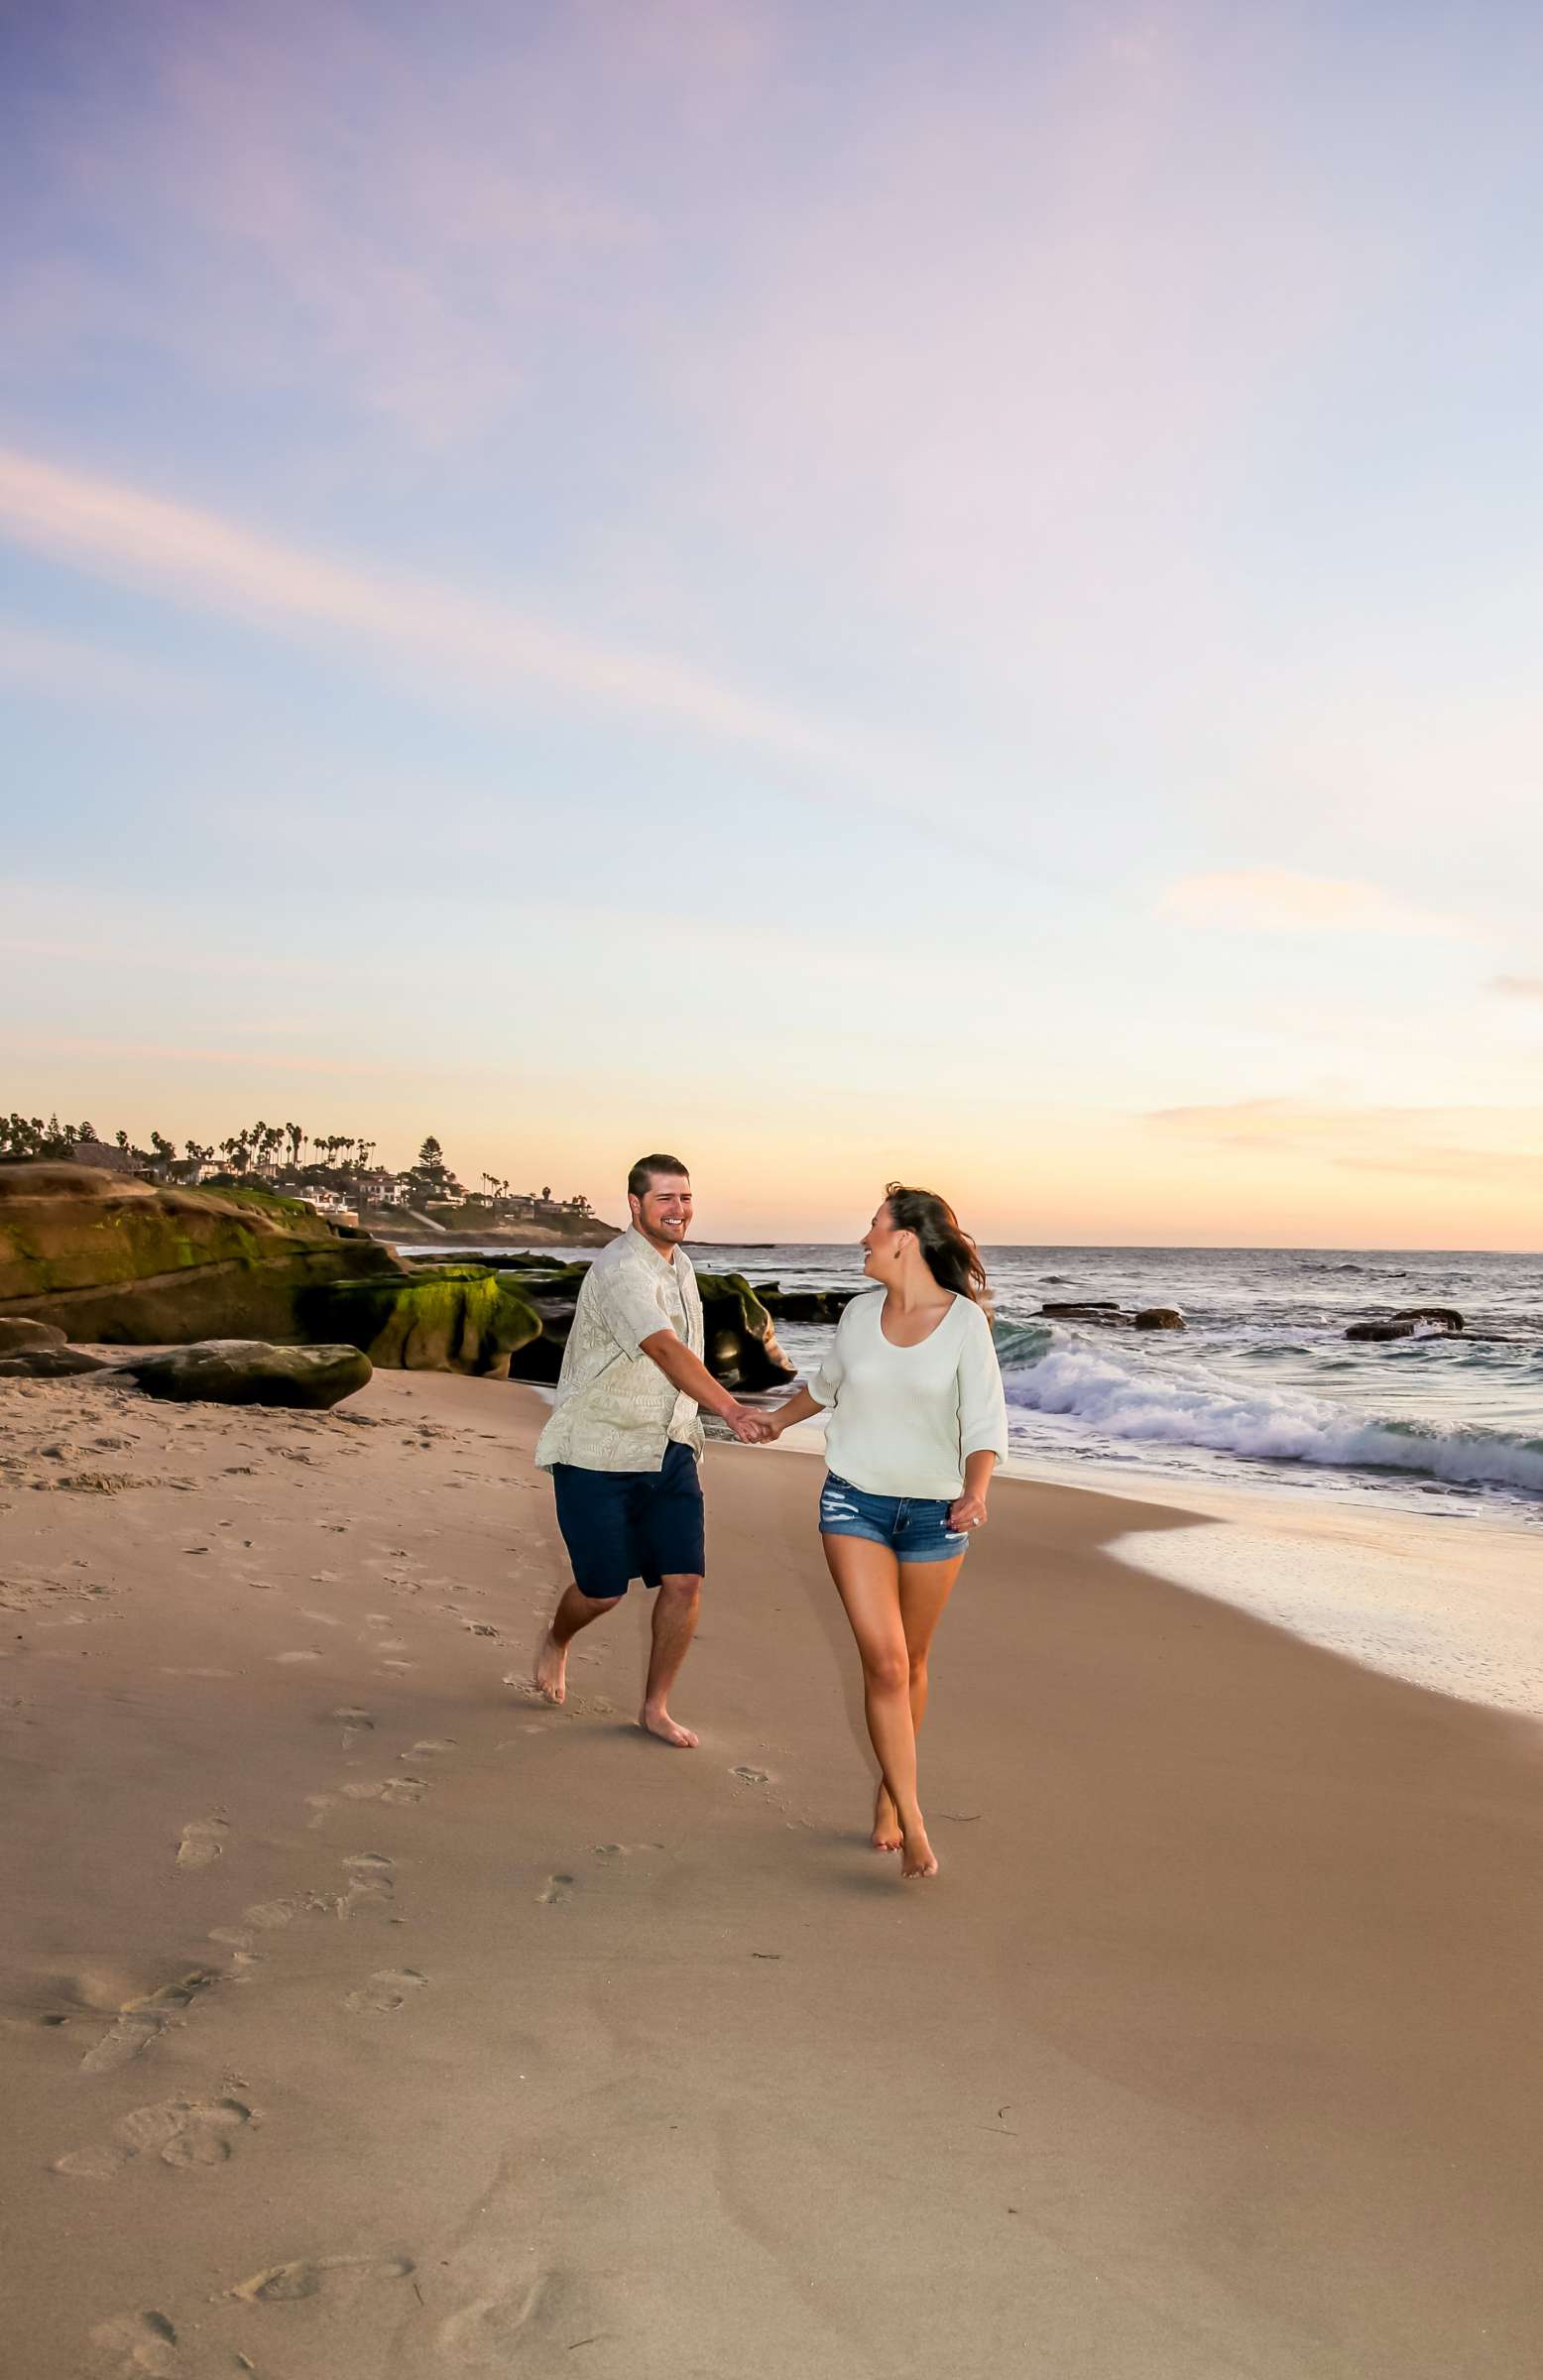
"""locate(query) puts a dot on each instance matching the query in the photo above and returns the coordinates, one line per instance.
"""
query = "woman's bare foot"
(654, 1720)
(886, 1835)
(551, 1668)
(920, 1858)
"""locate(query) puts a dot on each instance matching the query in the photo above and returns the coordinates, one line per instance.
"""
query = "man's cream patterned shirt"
(616, 1410)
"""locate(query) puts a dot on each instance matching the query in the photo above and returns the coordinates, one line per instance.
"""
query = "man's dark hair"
(640, 1179)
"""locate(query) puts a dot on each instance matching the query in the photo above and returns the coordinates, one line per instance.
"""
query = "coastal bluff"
(119, 1261)
(87, 1255)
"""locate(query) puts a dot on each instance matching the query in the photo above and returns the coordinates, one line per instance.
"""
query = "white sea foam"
(1189, 1405)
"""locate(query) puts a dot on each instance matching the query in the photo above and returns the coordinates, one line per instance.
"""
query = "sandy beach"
(363, 2018)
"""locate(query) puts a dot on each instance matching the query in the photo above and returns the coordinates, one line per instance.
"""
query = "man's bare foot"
(886, 1835)
(654, 1720)
(551, 1668)
(920, 1858)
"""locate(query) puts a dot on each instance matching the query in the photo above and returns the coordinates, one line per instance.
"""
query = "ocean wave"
(1189, 1408)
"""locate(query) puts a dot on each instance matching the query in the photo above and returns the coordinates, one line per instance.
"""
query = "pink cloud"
(199, 557)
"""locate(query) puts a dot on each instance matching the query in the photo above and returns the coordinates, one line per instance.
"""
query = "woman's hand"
(967, 1512)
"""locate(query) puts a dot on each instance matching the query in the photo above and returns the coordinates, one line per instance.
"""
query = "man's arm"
(684, 1370)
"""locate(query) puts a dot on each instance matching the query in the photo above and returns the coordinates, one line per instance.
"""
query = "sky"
(846, 591)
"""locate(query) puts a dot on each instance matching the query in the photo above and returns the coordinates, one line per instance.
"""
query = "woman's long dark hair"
(952, 1257)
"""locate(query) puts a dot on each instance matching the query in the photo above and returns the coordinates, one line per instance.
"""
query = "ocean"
(1262, 1388)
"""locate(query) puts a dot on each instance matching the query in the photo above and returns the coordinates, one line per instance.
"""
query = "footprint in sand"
(142, 2021)
(428, 1746)
(387, 1989)
(132, 2345)
(288, 1657)
(266, 1914)
(555, 1890)
(494, 2332)
(752, 1776)
(180, 2132)
(203, 1841)
(282, 2284)
(397, 1792)
(372, 1882)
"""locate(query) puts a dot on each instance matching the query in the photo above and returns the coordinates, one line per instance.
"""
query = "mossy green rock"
(741, 1346)
(108, 1258)
(460, 1319)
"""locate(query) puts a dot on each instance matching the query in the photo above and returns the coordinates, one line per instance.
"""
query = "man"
(624, 1440)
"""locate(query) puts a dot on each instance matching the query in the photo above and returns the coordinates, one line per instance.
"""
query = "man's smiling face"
(664, 1213)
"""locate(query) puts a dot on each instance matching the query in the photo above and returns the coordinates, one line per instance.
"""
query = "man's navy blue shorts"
(620, 1525)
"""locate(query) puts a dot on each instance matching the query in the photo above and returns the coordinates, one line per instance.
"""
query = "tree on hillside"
(296, 1137)
(433, 1171)
(29, 1137)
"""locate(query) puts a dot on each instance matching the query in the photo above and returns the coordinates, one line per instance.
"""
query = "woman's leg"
(925, 1588)
(867, 1580)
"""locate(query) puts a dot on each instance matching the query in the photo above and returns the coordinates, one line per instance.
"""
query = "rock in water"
(1071, 1308)
(1380, 1330)
(1159, 1318)
(19, 1331)
(50, 1364)
(805, 1305)
(1448, 1316)
(247, 1371)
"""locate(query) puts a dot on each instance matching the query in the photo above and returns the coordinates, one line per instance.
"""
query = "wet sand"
(364, 2019)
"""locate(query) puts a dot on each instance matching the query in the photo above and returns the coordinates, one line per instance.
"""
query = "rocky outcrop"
(16, 1333)
(553, 1295)
(805, 1305)
(1407, 1321)
(454, 1318)
(122, 1261)
(1108, 1313)
(246, 1372)
(50, 1364)
(741, 1346)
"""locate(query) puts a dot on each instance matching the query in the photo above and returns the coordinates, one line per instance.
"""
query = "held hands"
(751, 1429)
(967, 1512)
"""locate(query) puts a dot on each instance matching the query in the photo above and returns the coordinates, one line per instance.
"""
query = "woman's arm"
(983, 1423)
(817, 1394)
(800, 1407)
(967, 1512)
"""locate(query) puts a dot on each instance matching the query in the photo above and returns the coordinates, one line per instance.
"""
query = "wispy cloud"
(1519, 987)
(1277, 900)
(201, 557)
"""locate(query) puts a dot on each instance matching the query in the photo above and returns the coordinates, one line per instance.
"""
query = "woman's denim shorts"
(913, 1528)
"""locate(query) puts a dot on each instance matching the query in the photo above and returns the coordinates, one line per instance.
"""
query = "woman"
(917, 1421)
